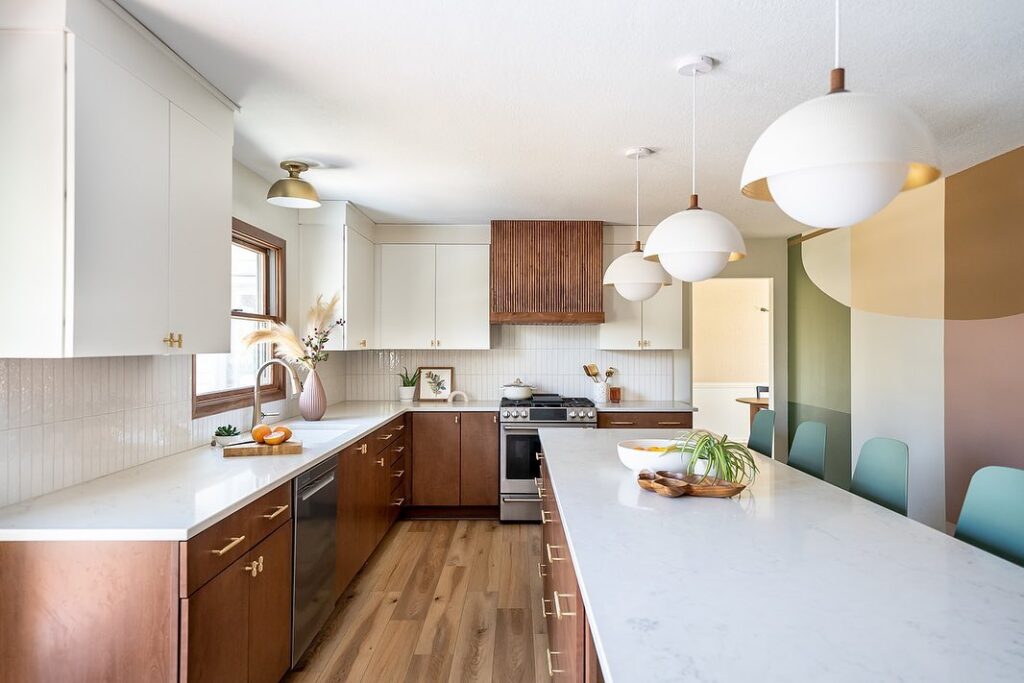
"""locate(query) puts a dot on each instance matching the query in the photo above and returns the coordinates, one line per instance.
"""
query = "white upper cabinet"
(117, 235)
(200, 235)
(337, 256)
(407, 296)
(462, 305)
(434, 296)
(633, 325)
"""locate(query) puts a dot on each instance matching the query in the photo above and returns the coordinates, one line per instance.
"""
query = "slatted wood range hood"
(546, 272)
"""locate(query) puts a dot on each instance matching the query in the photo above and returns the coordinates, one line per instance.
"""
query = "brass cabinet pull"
(261, 564)
(456, 418)
(399, 428)
(539, 456)
(558, 606)
(275, 513)
(398, 449)
(438, 341)
(398, 502)
(544, 606)
(181, 339)
(551, 670)
(251, 569)
(362, 343)
(173, 339)
(538, 482)
(385, 437)
(235, 540)
(495, 418)
(613, 422)
(381, 462)
(398, 474)
(551, 558)
(546, 520)
(540, 572)
(362, 449)
(668, 423)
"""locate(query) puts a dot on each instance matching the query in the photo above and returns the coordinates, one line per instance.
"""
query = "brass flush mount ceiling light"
(293, 192)
(840, 158)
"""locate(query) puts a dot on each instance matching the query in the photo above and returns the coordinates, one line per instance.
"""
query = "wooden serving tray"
(676, 484)
(286, 448)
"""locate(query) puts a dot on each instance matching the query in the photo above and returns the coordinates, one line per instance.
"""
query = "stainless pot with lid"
(517, 391)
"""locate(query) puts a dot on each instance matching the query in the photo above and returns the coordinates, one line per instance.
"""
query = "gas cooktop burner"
(548, 401)
(549, 409)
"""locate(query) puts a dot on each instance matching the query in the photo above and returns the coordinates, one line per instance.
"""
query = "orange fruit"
(275, 438)
(260, 432)
(287, 432)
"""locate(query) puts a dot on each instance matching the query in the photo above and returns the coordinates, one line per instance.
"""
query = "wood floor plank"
(513, 656)
(540, 656)
(473, 660)
(461, 551)
(480, 579)
(419, 589)
(361, 640)
(390, 660)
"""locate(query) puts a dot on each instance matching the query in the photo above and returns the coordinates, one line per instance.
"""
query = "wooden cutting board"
(286, 448)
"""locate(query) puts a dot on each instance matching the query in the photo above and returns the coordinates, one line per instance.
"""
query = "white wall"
(66, 421)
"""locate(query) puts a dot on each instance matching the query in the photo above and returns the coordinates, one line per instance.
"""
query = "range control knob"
(590, 414)
(515, 413)
(572, 413)
(505, 414)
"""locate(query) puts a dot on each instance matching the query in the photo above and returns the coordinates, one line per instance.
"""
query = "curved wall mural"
(913, 317)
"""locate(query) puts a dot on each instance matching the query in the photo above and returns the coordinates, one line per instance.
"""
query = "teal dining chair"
(807, 453)
(762, 432)
(992, 517)
(881, 473)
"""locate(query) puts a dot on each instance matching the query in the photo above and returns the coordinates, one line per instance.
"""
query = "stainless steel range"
(521, 449)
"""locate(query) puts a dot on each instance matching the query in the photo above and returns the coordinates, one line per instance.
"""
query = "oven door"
(521, 454)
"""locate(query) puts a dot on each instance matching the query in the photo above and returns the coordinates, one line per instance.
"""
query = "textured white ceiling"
(460, 111)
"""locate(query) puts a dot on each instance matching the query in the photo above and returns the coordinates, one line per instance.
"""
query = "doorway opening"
(732, 353)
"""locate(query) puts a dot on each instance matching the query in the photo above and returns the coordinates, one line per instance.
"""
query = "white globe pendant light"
(634, 278)
(840, 158)
(695, 244)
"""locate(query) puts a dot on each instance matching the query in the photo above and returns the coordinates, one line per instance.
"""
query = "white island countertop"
(792, 580)
(175, 498)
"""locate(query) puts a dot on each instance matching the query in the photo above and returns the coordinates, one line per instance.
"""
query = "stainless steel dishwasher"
(316, 521)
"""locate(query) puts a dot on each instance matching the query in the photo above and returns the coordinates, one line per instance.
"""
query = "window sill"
(211, 404)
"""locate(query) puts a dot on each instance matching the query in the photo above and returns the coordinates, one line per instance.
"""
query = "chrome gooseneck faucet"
(257, 404)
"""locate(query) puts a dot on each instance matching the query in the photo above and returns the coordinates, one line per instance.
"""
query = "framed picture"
(435, 384)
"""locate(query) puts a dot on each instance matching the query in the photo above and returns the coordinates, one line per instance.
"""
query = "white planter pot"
(406, 394)
(223, 441)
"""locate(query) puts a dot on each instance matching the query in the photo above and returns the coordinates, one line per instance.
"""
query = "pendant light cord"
(693, 137)
(837, 36)
(638, 195)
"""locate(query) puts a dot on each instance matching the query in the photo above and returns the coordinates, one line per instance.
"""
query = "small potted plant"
(225, 435)
(713, 460)
(407, 391)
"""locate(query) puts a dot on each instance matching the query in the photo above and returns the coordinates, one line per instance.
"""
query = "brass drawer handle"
(399, 474)
(381, 462)
(538, 482)
(251, 569)
(385, 437)
(399, 428)
(546, 520)
(670, 424)
(539, 456)
(261, 564)
(550, 557)
(558, 605)
(544, 606)
(613, 422)
(398, 449)
(235, 540)
(362, 449)
(398, 502)
(280, 509)
(540, 571)
(552, 671)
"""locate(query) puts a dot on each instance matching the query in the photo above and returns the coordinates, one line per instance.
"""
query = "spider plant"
(722, 459)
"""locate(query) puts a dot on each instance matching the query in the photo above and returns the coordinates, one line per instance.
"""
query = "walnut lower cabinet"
(644, 420)
(455, 459)
(570, 655)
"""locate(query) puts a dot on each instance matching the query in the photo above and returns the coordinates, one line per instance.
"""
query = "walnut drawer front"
(644, 420)
(399, 471)
(397, 450)
(388, 435)
(208, 553)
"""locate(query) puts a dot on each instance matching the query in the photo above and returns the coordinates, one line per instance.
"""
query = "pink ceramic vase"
(313, 399)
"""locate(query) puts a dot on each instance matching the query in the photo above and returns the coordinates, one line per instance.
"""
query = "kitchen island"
(793, 580)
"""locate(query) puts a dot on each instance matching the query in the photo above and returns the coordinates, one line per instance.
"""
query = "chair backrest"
(992, 517)
(881, 473)
(760, 389)
(762, 432)
(807, 453)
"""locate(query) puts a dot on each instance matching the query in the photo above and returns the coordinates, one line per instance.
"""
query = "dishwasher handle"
(310, 489)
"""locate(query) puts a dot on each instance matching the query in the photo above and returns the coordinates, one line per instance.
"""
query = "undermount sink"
(311, 435)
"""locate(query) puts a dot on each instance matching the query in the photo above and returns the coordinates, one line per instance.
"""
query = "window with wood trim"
(224, 381)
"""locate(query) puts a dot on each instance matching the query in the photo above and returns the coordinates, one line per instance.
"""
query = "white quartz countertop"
(793, 580)
(175, 498)
(646, 407)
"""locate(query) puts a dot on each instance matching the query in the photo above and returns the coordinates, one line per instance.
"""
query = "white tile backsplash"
(66, 421)
(551, 357)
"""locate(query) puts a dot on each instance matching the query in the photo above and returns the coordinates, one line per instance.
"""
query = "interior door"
(407, 297)
(118, 186)
(463, 296)
(436, 453)
(622, 327)
(200, 235)
(663, 317)
(270, 608)
(360, 303)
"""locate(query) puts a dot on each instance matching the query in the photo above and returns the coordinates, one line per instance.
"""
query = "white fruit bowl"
(631, 455)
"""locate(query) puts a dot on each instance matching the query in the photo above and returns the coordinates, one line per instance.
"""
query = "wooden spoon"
(592, 372)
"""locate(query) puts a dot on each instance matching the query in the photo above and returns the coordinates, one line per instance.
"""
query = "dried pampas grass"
(289, 346)
(322, 315)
